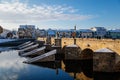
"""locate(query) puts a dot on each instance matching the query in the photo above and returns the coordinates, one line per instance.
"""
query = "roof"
(117, 30)
(103, 50)
(51, 33)
(85, 30)
(98, 29)
(63, 30)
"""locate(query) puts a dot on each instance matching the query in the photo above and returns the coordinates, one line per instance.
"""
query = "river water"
(13, 68)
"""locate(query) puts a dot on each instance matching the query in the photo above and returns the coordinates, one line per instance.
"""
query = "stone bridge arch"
(86, 53)
(87, 61)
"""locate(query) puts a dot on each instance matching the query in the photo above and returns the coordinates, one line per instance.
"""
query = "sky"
(60, 14)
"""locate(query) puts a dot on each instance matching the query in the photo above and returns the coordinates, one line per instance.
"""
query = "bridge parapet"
(91, 43)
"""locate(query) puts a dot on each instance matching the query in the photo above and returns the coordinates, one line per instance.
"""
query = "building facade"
(99, 32)
(114, 34)
(85, 33)
(64, 33)
(51, 33)
(26, 31)
(43, 33)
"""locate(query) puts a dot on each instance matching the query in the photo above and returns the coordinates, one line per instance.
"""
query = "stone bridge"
(93, 44)
(89, 46)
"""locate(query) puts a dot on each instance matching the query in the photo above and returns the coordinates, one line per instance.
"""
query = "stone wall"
(104, 62)
(58, 42)
(93, 44)
(72, 53)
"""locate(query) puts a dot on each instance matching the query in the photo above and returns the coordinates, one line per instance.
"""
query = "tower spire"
(75, 27)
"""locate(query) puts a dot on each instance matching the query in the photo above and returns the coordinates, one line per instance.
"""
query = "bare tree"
(1, 29)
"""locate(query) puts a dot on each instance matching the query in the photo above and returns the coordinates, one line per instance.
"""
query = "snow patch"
(104, 50)
(73, 45)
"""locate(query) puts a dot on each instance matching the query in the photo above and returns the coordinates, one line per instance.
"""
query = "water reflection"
(52, 65)
(74, 68)
(71, 67)
(107, 76)
(13, 68)
(10, 65)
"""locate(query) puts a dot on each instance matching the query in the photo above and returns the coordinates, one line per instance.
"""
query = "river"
(13, 68)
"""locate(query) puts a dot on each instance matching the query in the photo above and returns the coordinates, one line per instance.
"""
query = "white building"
(85, 33)
(99, 32)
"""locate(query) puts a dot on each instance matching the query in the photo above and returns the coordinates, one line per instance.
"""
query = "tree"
(9, 35)
(1, 29)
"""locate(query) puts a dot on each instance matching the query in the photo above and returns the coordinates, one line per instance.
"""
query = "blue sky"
(60, 14)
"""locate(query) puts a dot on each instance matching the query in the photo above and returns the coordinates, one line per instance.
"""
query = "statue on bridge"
(74, 32)
(57, 35)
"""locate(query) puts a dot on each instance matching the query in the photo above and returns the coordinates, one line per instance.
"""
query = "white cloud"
(18, 12)
(11, 65)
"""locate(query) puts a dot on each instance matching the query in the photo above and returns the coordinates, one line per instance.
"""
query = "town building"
(26, 31)
(85, 33)
(114, 34)
(64, 33)
(99, 32)
(51, 33)
(41, 32)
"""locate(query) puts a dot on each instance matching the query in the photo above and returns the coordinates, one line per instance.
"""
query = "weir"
(26, 45)
(23, 44)
(40, 57)
(35, 51)
(28, 48)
